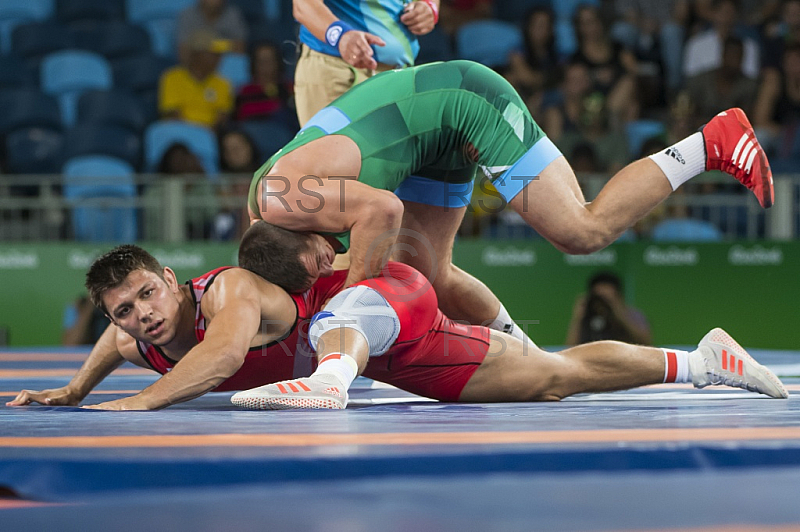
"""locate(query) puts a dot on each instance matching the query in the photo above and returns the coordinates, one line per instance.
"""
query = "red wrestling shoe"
(731, 146)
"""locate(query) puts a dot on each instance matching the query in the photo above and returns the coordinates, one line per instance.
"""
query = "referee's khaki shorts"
(320, 78)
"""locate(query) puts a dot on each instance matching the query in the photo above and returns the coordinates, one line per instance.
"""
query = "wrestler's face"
(319, 258)
(145, 306)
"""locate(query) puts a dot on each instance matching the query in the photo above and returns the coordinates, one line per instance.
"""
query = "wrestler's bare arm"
(104, 358)
(334, 205)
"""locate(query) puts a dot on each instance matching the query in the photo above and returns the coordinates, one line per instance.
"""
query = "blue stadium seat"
(68, 73)
(274, 9)
(638, 132)
(15, 74)
(37, 39)
(159, 18)
(92, 179)
(140, 73)
(115, 107)
(23, 108)
(566, 41)
(162, 36)
(33, 150)
(159, 136)
(68, 11)
(113, 39)
(235, 68)
(686, 230)
(564, 9)
(488, 42)
(94, 139)
(143, 10)
(515, 11)
(16, 12)
(268, 136)
(435, 46)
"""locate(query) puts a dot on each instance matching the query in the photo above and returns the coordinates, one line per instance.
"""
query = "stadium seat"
(69, 11)
(159, 18)
(143, 10)
(68, 73)
(92, 179)
(116, 107)
(140, 73)
(435, 46)
(35, 40)
(517, 10)
(23, 108)
(159, 136)
(33, 150)
(268, 136)
(640, 131)
(16, 12)
(113, 39)
(686, 230)
(274, 10)
(566, 41)
(235, 68)
(162, 36)
(488, 42)
(15, 74)
(93, 139)
(564, 9)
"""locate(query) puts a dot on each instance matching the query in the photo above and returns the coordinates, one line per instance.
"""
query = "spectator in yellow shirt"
(195, 92)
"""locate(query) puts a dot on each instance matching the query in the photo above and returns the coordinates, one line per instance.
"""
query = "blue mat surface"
(401, 462)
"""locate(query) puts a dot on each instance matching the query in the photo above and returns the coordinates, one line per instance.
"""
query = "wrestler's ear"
(171, 279)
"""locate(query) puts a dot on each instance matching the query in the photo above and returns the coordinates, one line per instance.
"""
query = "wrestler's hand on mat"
(135, 402)
(57, 397)
(355, 47)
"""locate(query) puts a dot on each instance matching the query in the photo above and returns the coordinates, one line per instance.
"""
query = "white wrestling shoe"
(720, 360)
(317, 392)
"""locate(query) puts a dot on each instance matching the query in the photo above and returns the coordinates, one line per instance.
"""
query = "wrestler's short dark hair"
(110, 270)
(274, 253)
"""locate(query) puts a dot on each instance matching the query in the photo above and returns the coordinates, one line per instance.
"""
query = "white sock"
(343, 367)
(676, 366)
(504, 323)
(682, 161)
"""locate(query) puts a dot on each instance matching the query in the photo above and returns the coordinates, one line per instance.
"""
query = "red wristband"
(433, 8)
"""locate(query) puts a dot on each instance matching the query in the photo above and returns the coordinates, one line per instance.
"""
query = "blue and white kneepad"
(362, 309)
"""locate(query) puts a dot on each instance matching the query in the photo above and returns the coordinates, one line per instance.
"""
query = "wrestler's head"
(136, 293)
(294, 261)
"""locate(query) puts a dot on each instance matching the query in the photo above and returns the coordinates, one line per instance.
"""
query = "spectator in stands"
(703, 52)
(655, 31)
(238, 153)
(603, 314)
(777, 111)
(212, 16)
(535, 68)
(581, 116)
(612, 69)
(345, 42)
(778, 36)
(726, 86)
(195, 92)
(83, 323)
(269, 94)
(456, 13)
(201, 204)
